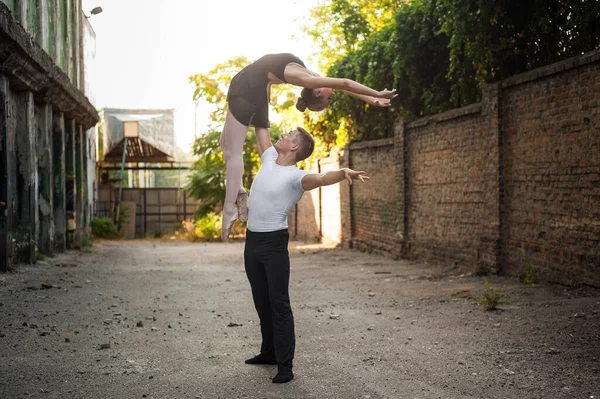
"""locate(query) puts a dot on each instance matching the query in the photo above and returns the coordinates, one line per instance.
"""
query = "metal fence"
(157, 210)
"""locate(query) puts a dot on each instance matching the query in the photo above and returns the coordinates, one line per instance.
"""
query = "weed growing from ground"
(527, 276)
(491, 299)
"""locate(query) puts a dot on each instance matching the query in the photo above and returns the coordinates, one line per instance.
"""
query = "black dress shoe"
(283, 375)
(261, 359)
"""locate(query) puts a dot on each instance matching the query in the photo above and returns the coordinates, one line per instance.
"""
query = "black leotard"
(247, 95)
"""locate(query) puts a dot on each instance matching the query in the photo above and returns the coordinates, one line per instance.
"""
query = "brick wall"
(376, 212)
(551, 131)
(448, 186)
(508, 182)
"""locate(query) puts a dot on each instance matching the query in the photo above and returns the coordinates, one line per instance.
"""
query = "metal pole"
(184, 205)
(118, 215)
(145, 213)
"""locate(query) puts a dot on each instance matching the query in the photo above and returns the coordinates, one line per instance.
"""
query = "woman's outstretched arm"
(299, 76)
(376, 101)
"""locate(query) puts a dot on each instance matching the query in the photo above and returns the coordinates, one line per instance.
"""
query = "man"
(277, 187)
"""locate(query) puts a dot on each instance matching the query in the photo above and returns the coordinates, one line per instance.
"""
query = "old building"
(134, 146)
(46, 146)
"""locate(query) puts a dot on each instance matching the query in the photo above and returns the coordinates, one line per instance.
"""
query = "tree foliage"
(491, 41)
(337, 27)
(409, 55)
(212, 87)
(439, 54)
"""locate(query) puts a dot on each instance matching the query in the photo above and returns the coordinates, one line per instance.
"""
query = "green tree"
(207, 177)
(326, 35)
(212, 87)
(491, 41)
(439, 53)
(337, 27)
(410, 55)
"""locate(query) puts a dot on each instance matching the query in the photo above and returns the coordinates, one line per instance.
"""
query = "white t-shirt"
(274, 191)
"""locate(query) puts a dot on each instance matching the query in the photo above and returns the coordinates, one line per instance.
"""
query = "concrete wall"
(43, 119)
(499, 185)
(87, 76)
(88, 66)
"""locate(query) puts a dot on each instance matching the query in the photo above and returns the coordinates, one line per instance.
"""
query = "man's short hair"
(306, 143)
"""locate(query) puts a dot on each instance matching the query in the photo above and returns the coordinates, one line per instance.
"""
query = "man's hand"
(314, 180)
(352, 175)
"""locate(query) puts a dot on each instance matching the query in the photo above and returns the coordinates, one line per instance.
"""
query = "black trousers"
(268, 269)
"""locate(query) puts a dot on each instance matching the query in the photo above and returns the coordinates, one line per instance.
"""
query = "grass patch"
(491, 299)
(104, 228)
(527, 276)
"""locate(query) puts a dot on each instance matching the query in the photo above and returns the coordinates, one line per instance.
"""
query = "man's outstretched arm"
(314, 180)
(263, 140)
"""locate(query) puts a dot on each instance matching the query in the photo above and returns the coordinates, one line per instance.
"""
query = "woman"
(248, 99)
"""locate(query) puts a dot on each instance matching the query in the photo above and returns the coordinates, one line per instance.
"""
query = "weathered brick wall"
(448, 158)
(376, 215)
(551, 134)
(498, 185)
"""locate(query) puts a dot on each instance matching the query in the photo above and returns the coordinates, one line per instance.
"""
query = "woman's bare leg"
(232, 144)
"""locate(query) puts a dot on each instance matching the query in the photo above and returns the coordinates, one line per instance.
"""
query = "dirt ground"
(166, 319)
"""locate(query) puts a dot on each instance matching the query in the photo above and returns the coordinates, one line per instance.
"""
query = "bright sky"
(147, 49)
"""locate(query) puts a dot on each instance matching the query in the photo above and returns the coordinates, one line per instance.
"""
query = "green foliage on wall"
(439, 54)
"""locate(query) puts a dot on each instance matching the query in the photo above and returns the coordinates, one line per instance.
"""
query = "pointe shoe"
(242, 205)
(230, 214)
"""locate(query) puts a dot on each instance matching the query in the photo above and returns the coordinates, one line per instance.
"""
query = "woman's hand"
(389, 94)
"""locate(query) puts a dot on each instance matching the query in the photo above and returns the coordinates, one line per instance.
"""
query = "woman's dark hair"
(308, 99)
